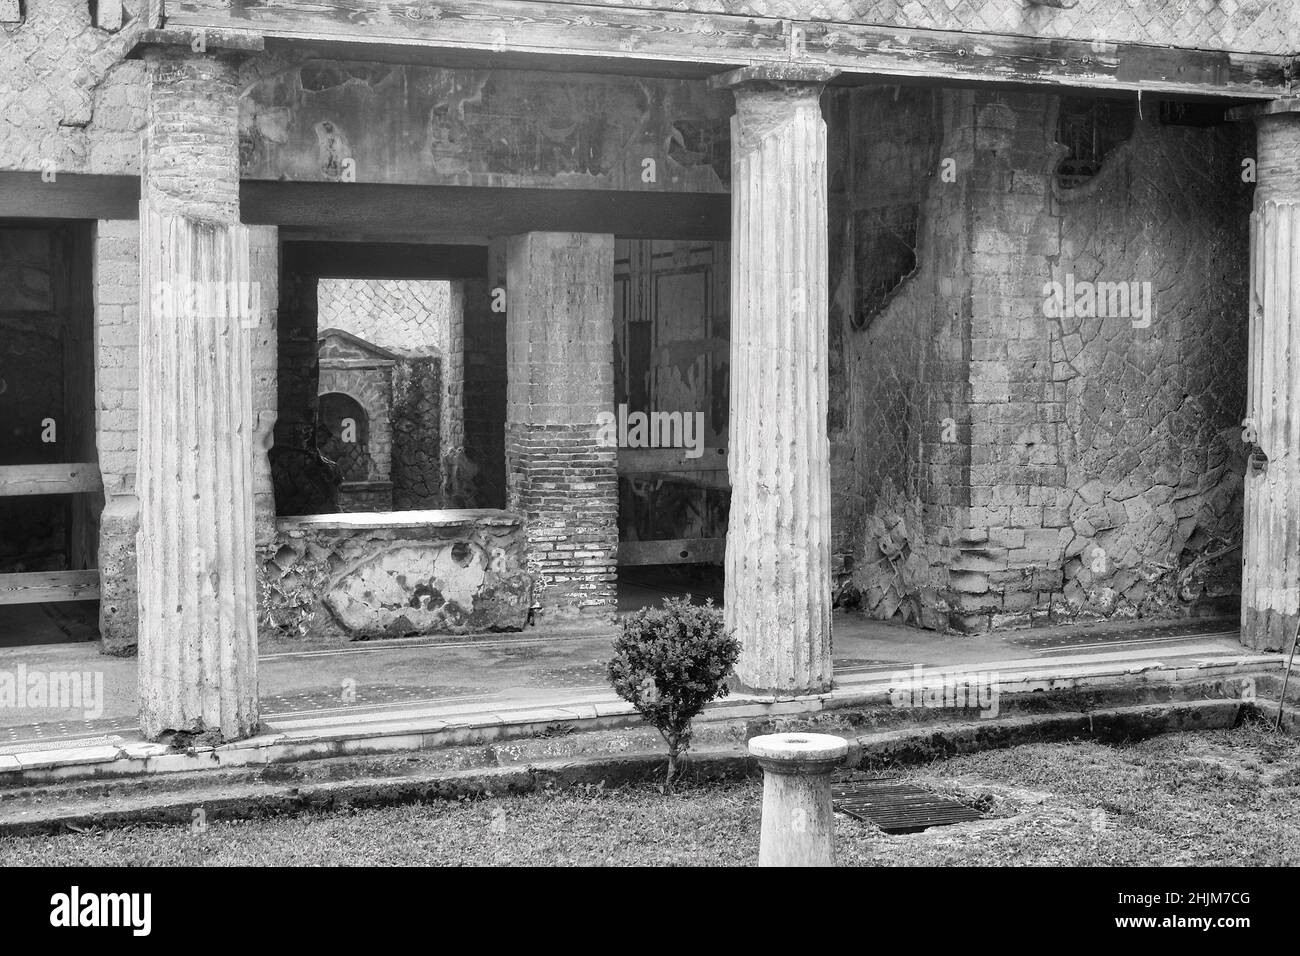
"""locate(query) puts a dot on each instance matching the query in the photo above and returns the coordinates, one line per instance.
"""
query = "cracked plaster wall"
(1071, 435)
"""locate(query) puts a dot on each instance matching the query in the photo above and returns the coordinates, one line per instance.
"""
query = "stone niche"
(345, 577)
(356, 398)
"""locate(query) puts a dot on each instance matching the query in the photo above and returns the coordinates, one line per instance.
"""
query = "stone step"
(877, 701)
(526, 765)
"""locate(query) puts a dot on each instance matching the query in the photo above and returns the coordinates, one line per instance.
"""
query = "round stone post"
(798, 822)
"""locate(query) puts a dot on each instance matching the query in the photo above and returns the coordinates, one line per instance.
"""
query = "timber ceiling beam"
(506, 33)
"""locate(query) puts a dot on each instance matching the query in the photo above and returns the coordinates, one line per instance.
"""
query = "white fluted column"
(778, 536)
(1270, 593)
(195, 548)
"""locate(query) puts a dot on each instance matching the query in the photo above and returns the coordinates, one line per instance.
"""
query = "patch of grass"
(1222, 797)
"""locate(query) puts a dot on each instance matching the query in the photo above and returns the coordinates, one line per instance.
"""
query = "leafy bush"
(668, 663)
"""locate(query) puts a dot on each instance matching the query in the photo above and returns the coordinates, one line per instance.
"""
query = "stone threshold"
(430, 728)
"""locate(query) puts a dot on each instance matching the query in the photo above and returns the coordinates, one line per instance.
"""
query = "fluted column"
(778, 535)
(195, 548)
(1270, 593)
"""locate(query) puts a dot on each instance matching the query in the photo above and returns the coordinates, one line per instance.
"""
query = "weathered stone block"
(349, 577)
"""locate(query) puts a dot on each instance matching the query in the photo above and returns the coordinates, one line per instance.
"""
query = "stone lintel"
(229, 43)
(1252, 111)
(774, 75)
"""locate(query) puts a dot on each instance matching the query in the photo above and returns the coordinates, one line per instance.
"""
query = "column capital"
(180, 40)
(779, 75)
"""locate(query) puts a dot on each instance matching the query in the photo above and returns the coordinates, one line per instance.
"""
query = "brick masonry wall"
(897, 374)
(372, 389)
(560, 365)
(67, 98)
(1076, 439)
(1154, 476)
(1018, 448)
(117, 409)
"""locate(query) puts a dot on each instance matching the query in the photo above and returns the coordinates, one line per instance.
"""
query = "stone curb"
(871, 751)
(396, 733)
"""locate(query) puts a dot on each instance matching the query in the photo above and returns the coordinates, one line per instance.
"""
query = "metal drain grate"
(898, 807)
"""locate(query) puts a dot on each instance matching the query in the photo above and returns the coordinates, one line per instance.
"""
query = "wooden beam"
(475, 211)
(71, 479)
(644, 461)
(662, 39)
(677, 551)
(385, 260)
(68, 196)
(38, 587)
(471, 212)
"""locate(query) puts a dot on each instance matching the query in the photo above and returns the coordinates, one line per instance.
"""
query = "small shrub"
(668, 663)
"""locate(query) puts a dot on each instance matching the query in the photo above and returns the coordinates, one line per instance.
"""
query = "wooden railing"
(39, 587)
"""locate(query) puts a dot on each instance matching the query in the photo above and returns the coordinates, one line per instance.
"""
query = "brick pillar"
(195, 549)
(560, 366)
(1270, 587)
(778, 540)
(117, 404)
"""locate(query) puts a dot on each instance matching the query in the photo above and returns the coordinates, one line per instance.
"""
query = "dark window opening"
(1090, 129)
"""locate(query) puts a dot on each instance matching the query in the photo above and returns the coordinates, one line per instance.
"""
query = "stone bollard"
(798, 822)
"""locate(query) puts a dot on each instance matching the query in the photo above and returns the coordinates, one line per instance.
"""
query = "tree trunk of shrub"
(674, 748)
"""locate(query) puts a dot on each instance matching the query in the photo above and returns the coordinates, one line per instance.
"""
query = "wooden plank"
(676, 551)
(485, 210)
(385, 260)
(70, 479)
(69, 196)
(663, 38)
(41, 586)
(644, 461)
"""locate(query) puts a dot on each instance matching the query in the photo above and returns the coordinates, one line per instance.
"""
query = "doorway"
(671, 385)
(50, 490)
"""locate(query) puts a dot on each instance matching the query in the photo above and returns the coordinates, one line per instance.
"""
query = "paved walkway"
(539, 668)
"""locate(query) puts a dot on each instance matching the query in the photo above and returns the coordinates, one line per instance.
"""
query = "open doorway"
(50, 491)
(374, 390)
(671, 385)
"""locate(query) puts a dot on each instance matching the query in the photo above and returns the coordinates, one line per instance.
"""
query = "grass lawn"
(1225, 797)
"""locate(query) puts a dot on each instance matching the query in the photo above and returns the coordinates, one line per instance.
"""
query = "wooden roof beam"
(577, 36)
